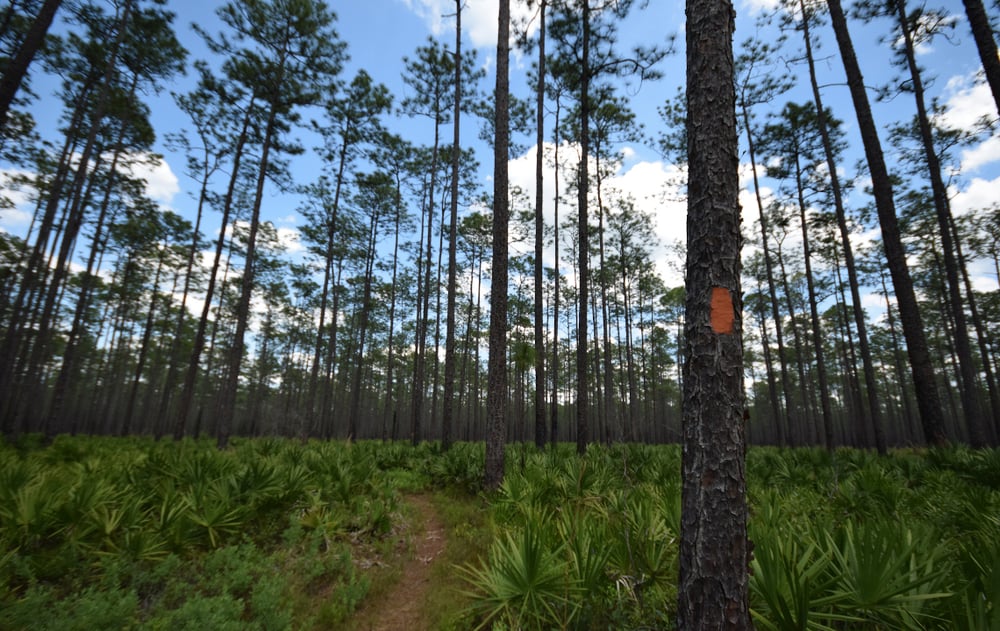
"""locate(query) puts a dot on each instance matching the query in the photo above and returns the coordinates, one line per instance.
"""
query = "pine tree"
(714, 549)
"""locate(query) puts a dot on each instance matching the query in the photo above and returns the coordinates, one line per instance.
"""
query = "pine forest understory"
(870, 310)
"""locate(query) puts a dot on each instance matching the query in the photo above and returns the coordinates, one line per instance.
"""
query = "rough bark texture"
(928, 400)
(714, 550)
(496, 395)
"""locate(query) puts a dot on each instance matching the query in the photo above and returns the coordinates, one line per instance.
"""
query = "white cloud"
(291, 240)
(982, 154)
(479, 18)
(979, 195)
(753, 7)
(161, 183)
(14, 220)
(17, 217)
(966, 101)
(651, 184)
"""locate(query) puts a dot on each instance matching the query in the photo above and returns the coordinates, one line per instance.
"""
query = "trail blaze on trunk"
(721, 313)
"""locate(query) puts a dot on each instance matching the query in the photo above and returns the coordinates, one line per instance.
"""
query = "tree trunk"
(963, 347)
(175, 344)
(18, 66)
(583, 278)
(874, 409)
(191, 375)
(390, 399)
(539, 226)
(352, 431)
(714, 549)
(928, 400)
(140, 362)
(229, 388)
(423, 310)
(554, 368)
(782, 419)
(448, 411)
(982, 32)
(817, 332)
(496, 395)
(67, 369)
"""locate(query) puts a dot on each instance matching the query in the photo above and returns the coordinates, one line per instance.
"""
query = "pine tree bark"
(496, 395)
(448, 400)
(714, 548)
(539, 225)
(928, 398)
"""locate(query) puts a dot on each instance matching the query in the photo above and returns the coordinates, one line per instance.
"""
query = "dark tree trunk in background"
(583, 275)
(18, 66)
(986, 42)
(539, 225)
(714, 549)
(227, 407)
(928, 399)
(874, 408)
(448, 412)
(496, 395)
(963, 346)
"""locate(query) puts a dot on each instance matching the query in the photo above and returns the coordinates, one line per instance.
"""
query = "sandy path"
(402, 609)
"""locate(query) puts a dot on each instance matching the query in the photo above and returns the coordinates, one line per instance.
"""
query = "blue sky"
(379, 33)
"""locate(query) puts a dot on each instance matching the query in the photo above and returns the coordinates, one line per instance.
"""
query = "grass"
(280, 534)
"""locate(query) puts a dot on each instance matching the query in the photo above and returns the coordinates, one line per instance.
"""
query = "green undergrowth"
(843, 540)
(132, 533)
(283, 534)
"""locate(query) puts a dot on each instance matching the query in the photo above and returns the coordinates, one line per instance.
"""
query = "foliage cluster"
(843, 540)
(128, 533)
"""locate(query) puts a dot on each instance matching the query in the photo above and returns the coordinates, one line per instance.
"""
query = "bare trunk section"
(714, 549)
(928, 399)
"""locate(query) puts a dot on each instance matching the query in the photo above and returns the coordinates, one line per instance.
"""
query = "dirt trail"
(402, 608)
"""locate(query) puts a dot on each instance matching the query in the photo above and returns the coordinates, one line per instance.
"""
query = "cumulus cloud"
(15, 211)
(651, 184)
(479, 19)
(967, 100)
(978, 195)
(987, 152)
(753, 7)
(161, 182)
(291, 240)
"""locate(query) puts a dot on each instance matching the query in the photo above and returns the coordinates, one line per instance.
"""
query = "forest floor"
(404, 605)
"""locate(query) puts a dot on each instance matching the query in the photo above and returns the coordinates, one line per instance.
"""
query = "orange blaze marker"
(721, 313)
